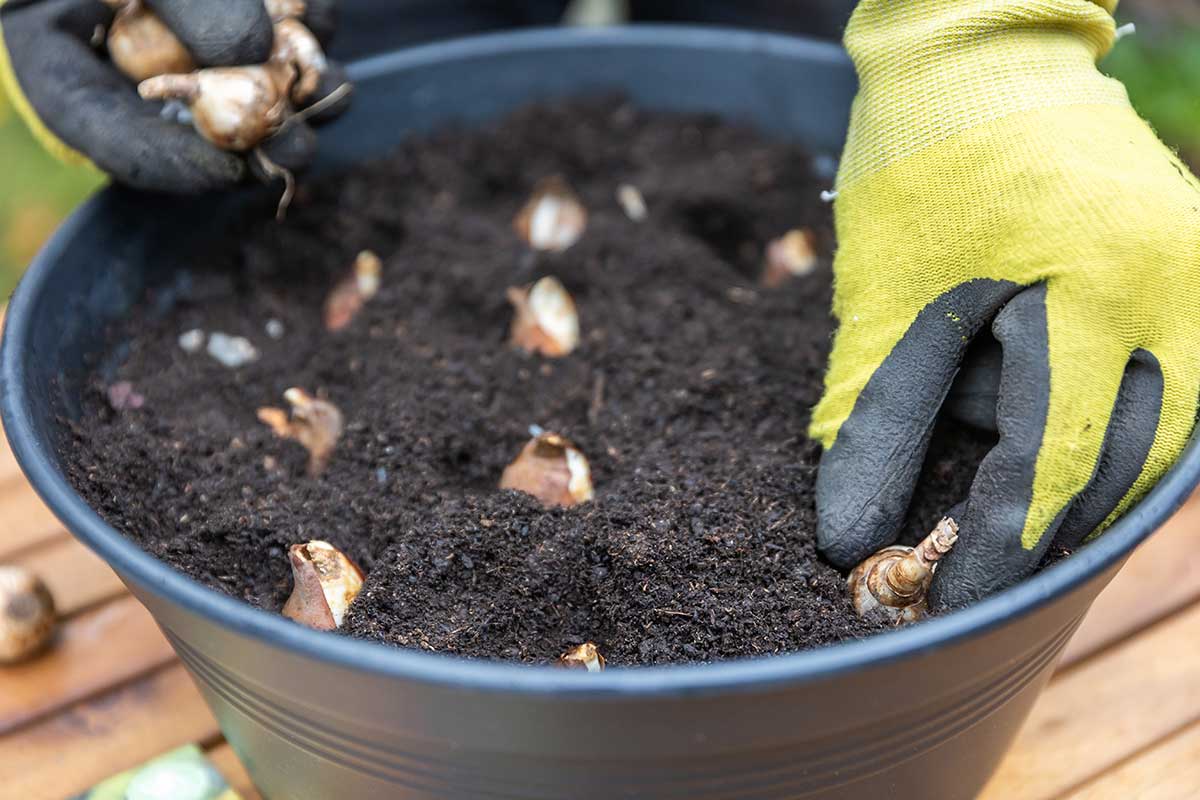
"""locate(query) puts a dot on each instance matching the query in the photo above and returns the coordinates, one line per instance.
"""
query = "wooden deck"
(1120, 720)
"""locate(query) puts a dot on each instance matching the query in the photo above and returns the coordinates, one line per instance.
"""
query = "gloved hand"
(993, 176)
(55, 69)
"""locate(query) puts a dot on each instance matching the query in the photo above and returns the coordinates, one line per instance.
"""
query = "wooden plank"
(25, 522)
(95, 651)
(227, 762)
(1162, 577)
(1106, 710)
(77, 577)
(76, 748)
(1170, 771)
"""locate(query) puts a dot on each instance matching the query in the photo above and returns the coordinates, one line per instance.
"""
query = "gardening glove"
(993, 176)
(83, 109)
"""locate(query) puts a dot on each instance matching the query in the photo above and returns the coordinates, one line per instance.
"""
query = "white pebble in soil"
(274, 329)
(232, 351)
(191, 341)
(632, 202)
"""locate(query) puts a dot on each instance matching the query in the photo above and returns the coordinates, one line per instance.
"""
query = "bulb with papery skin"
(545, 318)
(324, 584)
(792, 255)
(551, 469)
(895, 580)
(27, 616)
(297, 49)
(353, 291)
(141, 45)
(235, 108)
(554, 218)
(316, 424)
(586, 656)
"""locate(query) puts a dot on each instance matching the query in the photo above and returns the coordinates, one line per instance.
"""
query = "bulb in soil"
(586, 656)
(554, 218)
(235, 108)
(141, 45)
(352, 292)
(27, 617)
(632, 202)
(551, 469)
(316, 424)
(295, 48)
(284, 9)
(790, 256)
(325, 583)
(896, 579)
(545, 318)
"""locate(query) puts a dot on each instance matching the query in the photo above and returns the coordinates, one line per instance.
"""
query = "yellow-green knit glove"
(994, 177)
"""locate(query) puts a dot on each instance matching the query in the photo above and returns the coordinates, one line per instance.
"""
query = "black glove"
(55, 48)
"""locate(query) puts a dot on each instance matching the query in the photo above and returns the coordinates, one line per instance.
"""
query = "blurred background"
(1160, 65)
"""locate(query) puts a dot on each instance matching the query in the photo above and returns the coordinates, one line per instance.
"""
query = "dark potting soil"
(690, 395)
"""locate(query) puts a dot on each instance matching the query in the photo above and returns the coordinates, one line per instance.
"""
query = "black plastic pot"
(924, 712)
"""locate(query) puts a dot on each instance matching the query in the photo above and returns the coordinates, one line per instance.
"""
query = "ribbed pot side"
(931, 726)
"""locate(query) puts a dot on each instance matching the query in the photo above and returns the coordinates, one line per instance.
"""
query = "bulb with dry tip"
(554, 218)
(586, 656)
(895, 580)
(545, 319)
(792, 255)
(316, 424)
(325, 583)
(352, 292)
(551, 469)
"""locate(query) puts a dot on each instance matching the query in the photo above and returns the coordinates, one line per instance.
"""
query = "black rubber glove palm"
(55, 51)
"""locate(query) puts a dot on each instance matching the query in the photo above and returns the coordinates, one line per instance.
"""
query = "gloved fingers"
(224, 34)
(867, 476)
(91, 107)
(1127, 443)
(989, 554)
(1046, 455)
(141, 147)
(975, 391)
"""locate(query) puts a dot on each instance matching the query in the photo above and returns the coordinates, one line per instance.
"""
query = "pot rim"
(450, 671)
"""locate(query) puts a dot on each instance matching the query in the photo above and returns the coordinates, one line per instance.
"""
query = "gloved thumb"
(876, 438)
(223, 34)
